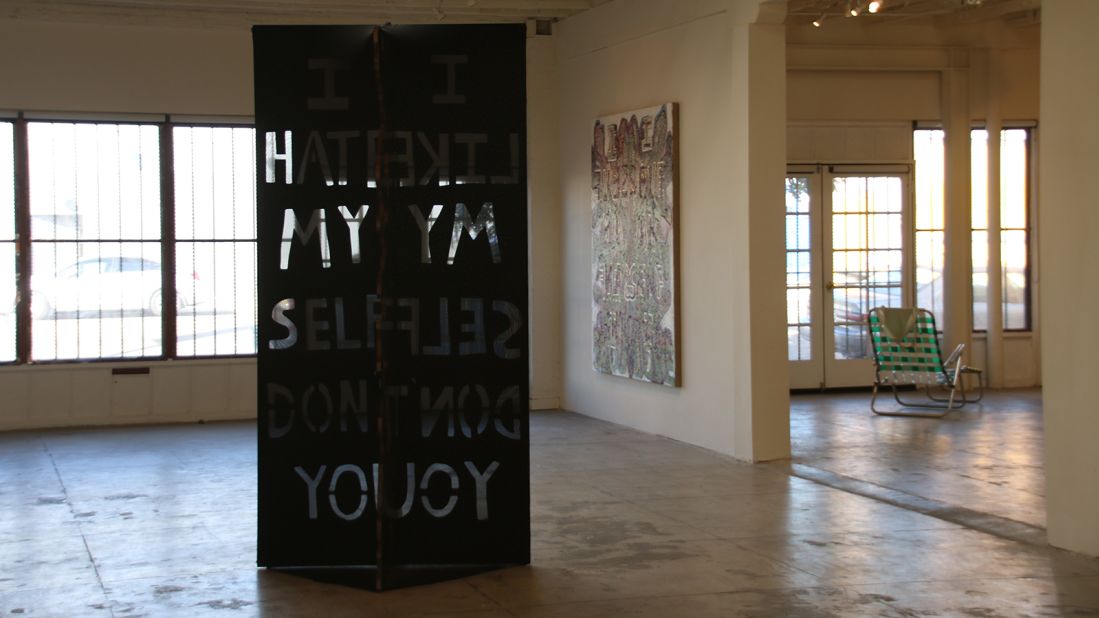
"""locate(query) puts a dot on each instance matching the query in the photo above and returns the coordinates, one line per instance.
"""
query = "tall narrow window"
(215, 224)
(978, 201)
(928, 150)
(1014, 228)
(798, 271)
(7, 242)
(95, 213)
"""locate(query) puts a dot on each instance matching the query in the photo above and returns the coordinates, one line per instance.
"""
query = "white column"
(994, 339)
(957, 301)
(762, 400)
(1068, 220)
(544, 221)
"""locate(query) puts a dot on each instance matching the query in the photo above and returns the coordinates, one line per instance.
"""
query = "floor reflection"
(987, 457)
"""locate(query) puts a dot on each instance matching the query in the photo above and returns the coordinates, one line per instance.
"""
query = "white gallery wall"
(1070, 263)
(722, 73)
(75, 67)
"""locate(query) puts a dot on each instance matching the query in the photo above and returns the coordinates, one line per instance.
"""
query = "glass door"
(846, 253)
(804, 342)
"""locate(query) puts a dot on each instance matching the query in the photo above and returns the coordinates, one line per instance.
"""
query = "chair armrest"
(954, 356)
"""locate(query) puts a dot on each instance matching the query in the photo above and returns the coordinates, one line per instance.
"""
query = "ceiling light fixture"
(818, 21)
(874, 6)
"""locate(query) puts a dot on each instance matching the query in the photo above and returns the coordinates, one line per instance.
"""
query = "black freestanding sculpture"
(392, 252)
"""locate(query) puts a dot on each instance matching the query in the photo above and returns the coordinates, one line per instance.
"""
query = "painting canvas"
(633, 166)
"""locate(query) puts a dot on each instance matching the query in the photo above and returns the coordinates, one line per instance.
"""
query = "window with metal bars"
(140, 240)
(215, 240)
(8, 289)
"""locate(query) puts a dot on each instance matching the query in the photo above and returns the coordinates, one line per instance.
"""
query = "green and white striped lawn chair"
(907, 353)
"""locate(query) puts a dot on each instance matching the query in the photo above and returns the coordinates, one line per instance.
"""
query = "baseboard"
(71, 423)
(545, 403)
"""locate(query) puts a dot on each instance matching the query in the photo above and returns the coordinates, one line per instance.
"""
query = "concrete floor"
(160, 521)
(987, 457)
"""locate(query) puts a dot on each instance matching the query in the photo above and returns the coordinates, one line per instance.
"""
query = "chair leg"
(980, 382)
(965, 394)
(932, 400)
(896, 396)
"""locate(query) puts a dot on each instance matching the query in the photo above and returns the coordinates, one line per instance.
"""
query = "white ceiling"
(243, 13)
(805, 11)
(233, 13)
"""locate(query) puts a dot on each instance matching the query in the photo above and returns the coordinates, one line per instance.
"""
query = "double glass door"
(847, 251)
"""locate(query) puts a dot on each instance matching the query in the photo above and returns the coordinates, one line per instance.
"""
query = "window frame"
(26, 292)
(12, 243)
(936, 209)
(1029, 218)
(218, 122)
(24, 242)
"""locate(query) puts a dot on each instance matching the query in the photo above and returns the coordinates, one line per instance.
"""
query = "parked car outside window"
(102, 284)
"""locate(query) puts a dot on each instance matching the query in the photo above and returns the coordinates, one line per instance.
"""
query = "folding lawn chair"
(907, 353)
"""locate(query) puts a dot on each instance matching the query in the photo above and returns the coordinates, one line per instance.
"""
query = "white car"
(101, 284)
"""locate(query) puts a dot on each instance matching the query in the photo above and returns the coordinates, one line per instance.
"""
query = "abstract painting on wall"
(633, 167)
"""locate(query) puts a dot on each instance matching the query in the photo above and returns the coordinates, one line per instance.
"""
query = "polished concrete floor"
(986, 457)
(874, 517)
